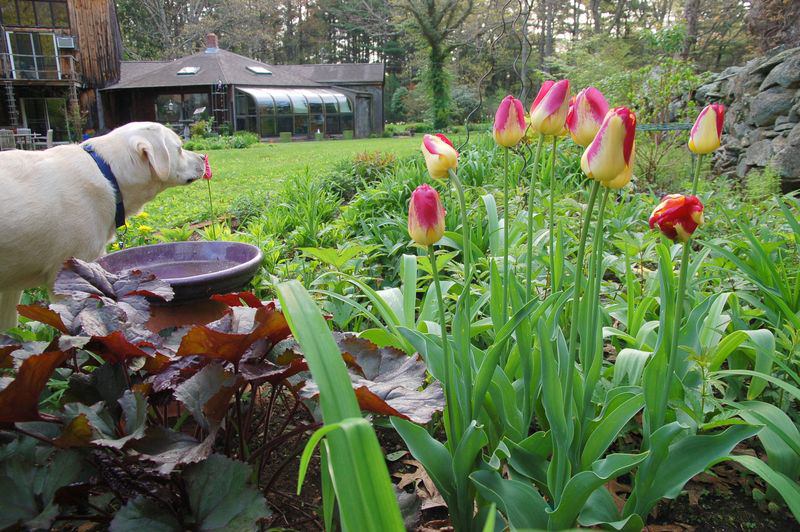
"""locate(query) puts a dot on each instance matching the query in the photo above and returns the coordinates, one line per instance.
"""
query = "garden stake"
(552, 223)
(529, 255)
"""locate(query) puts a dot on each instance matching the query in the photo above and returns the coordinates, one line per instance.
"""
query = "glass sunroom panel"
(344, 103)
(314, 101)
(299, 102)
(331, 104)
(285, 124)
(282, 102)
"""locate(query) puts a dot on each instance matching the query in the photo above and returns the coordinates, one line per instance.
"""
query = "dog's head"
(161, 150)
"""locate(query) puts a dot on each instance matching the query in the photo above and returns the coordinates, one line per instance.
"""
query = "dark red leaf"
(43, 314)
(114, 348)
(239, 299)
(19, 401)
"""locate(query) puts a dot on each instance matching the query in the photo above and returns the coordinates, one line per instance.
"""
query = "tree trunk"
(691, 9)
(618, 17)
(594, 5)
(439, 87)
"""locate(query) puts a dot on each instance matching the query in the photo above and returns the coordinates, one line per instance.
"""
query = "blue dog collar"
(119, 217)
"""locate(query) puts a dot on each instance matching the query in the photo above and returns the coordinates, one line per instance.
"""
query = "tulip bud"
(509, 122)
(549, 109)
(440, 155)
(207, 168)
(707, 129)
(611, 151)
(586, 113)
(677, 216)
(425, 216)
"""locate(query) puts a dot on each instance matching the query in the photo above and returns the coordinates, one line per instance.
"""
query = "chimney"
(212, 43)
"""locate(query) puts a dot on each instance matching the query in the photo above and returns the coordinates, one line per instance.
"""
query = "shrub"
(239, 140)
(762, 184)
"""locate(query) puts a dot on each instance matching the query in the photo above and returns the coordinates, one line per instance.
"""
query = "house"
(54, 57)
(243, 94)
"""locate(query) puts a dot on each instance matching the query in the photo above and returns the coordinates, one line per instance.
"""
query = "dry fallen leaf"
(423, 485)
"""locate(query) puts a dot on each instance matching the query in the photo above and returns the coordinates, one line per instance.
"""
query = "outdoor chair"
(43, 143)
(7, 140)
(24, 138)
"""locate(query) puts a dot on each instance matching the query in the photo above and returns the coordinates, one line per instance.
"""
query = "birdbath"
(196, 271)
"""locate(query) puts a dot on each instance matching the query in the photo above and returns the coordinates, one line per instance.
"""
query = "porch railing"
(38, 67)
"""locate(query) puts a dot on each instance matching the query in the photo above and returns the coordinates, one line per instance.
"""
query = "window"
(34, 13)
(176, 108)
(41, 114)
(188, 71)
(33, 55)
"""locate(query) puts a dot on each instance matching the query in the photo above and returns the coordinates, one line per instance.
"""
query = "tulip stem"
(552, 218)
(448, 368)
(506, 224)
(211, 206)
(467, 367)
(696, 178)
(576, 297)
(529, 255)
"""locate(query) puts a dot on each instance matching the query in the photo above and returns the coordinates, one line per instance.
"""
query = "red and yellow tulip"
(707, 129)
(586, 113)
(609, 157)
(677, 216)
(425, 216)
(549, 109)
(440, 155)
(509, 122)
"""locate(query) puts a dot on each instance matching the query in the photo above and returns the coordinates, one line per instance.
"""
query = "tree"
(437, 21)
(691, 9)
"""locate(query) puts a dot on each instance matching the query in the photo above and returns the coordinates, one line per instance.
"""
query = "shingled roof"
(213, 64)
(344, 73)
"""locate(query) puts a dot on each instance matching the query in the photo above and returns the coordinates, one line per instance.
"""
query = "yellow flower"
(143, 215)
(145, 229)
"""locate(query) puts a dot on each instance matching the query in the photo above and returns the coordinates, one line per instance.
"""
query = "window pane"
(301, 125)
(316, 123)
(168, 108)
(195, 103)
(60, 15)
(26, 15)
(284, 124)
(344, 103)
(332, 125)
(267, 126)
(347, 121)
(314, 101)
(299, 103)
(282, 104)
(57, 116)
(330, 103)
(265, 103)
(244, 104)
(43, 16)
(8, 11)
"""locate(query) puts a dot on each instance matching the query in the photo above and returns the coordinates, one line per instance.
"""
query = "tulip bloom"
(677, 216)
(611, 151)
(207, 171)
(586, 113)
(549, 109)
(707, 129)
(440, 155)
(425, 216)
(509, 122)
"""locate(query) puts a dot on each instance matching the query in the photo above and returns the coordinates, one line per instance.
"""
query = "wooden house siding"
(94, 22)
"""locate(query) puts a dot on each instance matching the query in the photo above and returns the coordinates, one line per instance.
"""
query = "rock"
(782, 120)
(787, 74)
(786, 126)
(770, 104)
(742, 168)
(701, 94)
(786, 161)
(771, 134)
(758, 153)
(765, 66)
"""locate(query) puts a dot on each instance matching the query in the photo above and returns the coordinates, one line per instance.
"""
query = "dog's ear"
(156, 152)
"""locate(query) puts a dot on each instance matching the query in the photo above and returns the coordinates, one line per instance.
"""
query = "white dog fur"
(56, 204)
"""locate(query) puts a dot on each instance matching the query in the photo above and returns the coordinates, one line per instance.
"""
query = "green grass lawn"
(260, 168)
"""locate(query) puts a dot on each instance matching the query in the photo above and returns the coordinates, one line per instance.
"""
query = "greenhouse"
(301, 112)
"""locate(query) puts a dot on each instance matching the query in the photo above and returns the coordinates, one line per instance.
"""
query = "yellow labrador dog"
(62, 202)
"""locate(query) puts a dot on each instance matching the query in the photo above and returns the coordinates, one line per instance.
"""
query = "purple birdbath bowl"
(195, 270)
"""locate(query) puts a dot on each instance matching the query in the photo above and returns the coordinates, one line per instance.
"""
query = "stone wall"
(762, 123)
